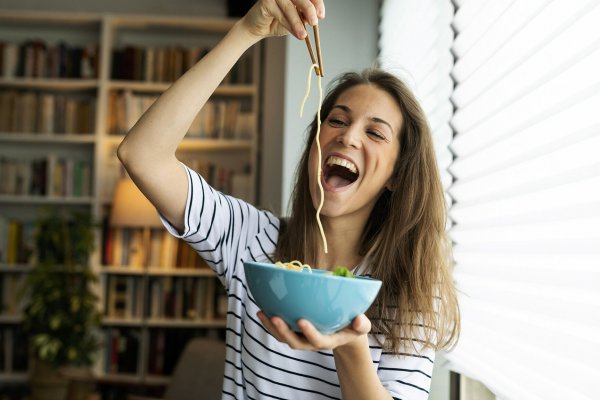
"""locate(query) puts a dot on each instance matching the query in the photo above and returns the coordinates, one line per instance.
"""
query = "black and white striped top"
(226, 232)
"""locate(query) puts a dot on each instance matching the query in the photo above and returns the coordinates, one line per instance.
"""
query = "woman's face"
(359, 143)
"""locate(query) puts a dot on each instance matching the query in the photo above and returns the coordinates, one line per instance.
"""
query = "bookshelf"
(71, 85)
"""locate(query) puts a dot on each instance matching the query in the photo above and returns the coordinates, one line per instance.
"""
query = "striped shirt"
(226, 231)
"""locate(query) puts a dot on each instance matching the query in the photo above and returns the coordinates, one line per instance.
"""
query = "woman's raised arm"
(148, 150)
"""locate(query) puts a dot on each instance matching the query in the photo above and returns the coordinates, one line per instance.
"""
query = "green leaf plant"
(61, 311)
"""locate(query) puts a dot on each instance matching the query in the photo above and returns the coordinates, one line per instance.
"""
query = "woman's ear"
(389, 185)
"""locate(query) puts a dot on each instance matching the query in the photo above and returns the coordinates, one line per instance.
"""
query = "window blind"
(526, 196)
(415, 43)
(524, 179)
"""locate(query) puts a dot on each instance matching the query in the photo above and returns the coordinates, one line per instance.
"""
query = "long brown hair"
(405, 235)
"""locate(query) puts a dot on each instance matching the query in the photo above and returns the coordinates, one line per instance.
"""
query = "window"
(526, 184)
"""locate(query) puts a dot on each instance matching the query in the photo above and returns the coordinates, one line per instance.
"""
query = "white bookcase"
(108, 95)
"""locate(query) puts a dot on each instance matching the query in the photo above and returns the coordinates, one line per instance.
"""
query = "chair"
(198, 373)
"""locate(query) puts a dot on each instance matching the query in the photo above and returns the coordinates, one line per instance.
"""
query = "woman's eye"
(336, 122)
(376, 134)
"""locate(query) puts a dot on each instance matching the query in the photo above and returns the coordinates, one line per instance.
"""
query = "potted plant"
(61, 312)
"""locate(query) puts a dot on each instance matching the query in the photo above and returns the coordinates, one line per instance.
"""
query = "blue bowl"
(329, 302)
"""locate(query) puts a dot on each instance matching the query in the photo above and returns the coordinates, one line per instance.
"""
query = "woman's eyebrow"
(343, 108)
(374, 119)
(382, 121)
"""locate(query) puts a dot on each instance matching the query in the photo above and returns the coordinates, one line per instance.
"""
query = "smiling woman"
(383, 211)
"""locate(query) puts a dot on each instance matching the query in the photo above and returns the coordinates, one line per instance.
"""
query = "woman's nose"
(350, 137)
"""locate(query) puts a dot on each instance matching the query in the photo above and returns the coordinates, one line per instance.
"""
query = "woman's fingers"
(320, 7)
(294, 340)
(269, 325)
(278, 17)
(311, 338)
(361, 324)
(312, 335)
(275, 11)
(293, 18)
(308, 10)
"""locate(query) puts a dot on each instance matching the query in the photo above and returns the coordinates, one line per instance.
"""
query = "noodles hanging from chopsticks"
(319, 169)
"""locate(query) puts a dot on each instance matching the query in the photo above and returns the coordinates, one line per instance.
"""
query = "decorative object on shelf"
(131, 209)
(62, 310)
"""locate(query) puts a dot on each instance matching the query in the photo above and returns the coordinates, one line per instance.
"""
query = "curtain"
(415, 43)
(525, 191)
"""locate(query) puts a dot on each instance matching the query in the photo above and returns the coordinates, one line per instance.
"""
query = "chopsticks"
(318, 71)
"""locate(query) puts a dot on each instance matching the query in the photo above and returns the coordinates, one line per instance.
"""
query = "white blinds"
(415, 42)
(526, 193)
(527, 196)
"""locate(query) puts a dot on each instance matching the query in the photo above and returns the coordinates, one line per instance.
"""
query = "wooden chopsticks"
(318, 71)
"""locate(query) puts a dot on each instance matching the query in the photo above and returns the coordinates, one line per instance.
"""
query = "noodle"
(319, 171)
(294, 265)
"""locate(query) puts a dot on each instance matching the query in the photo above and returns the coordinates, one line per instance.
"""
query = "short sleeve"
(219, 227)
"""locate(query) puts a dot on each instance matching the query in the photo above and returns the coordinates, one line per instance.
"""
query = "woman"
(383, 216)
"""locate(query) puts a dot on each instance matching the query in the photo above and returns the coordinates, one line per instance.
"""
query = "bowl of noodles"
(329, 300)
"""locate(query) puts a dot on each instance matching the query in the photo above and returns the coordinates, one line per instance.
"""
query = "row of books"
(168, 297)
(16, 241)
(186, 298)
(233, 182)
(11, 303)
(37, 59)
(126, 247)
(166, 64)
(218, 119)
(51, 175)
(38, 112)
(122, 349)
(14, 344)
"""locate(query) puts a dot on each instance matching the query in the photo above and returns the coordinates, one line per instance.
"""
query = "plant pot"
(81, 383)
(47, 383)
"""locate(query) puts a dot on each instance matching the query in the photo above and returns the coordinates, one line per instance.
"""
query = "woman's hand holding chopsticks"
(280, 17)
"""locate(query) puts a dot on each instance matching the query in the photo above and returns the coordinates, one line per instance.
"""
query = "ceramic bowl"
(329, 302)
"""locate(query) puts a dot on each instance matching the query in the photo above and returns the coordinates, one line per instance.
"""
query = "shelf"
(117, 378)
(111, 33)
(164, 322)
(49, 17)
(110, 270)
(157, 271)
(11, 319)
(131, 379)
(65, 84)
(159, 87)
(14, 377)
(191, 272)
(216, 25)
(157, 380)
(65, 138)
(32, 200)
(199, 143)
(185, 323)
(112, 321)
(14, 268)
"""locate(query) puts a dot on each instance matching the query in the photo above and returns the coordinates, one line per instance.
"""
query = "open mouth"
(339, 172)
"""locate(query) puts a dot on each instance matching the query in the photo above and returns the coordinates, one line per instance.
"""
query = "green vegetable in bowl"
(342, 271)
